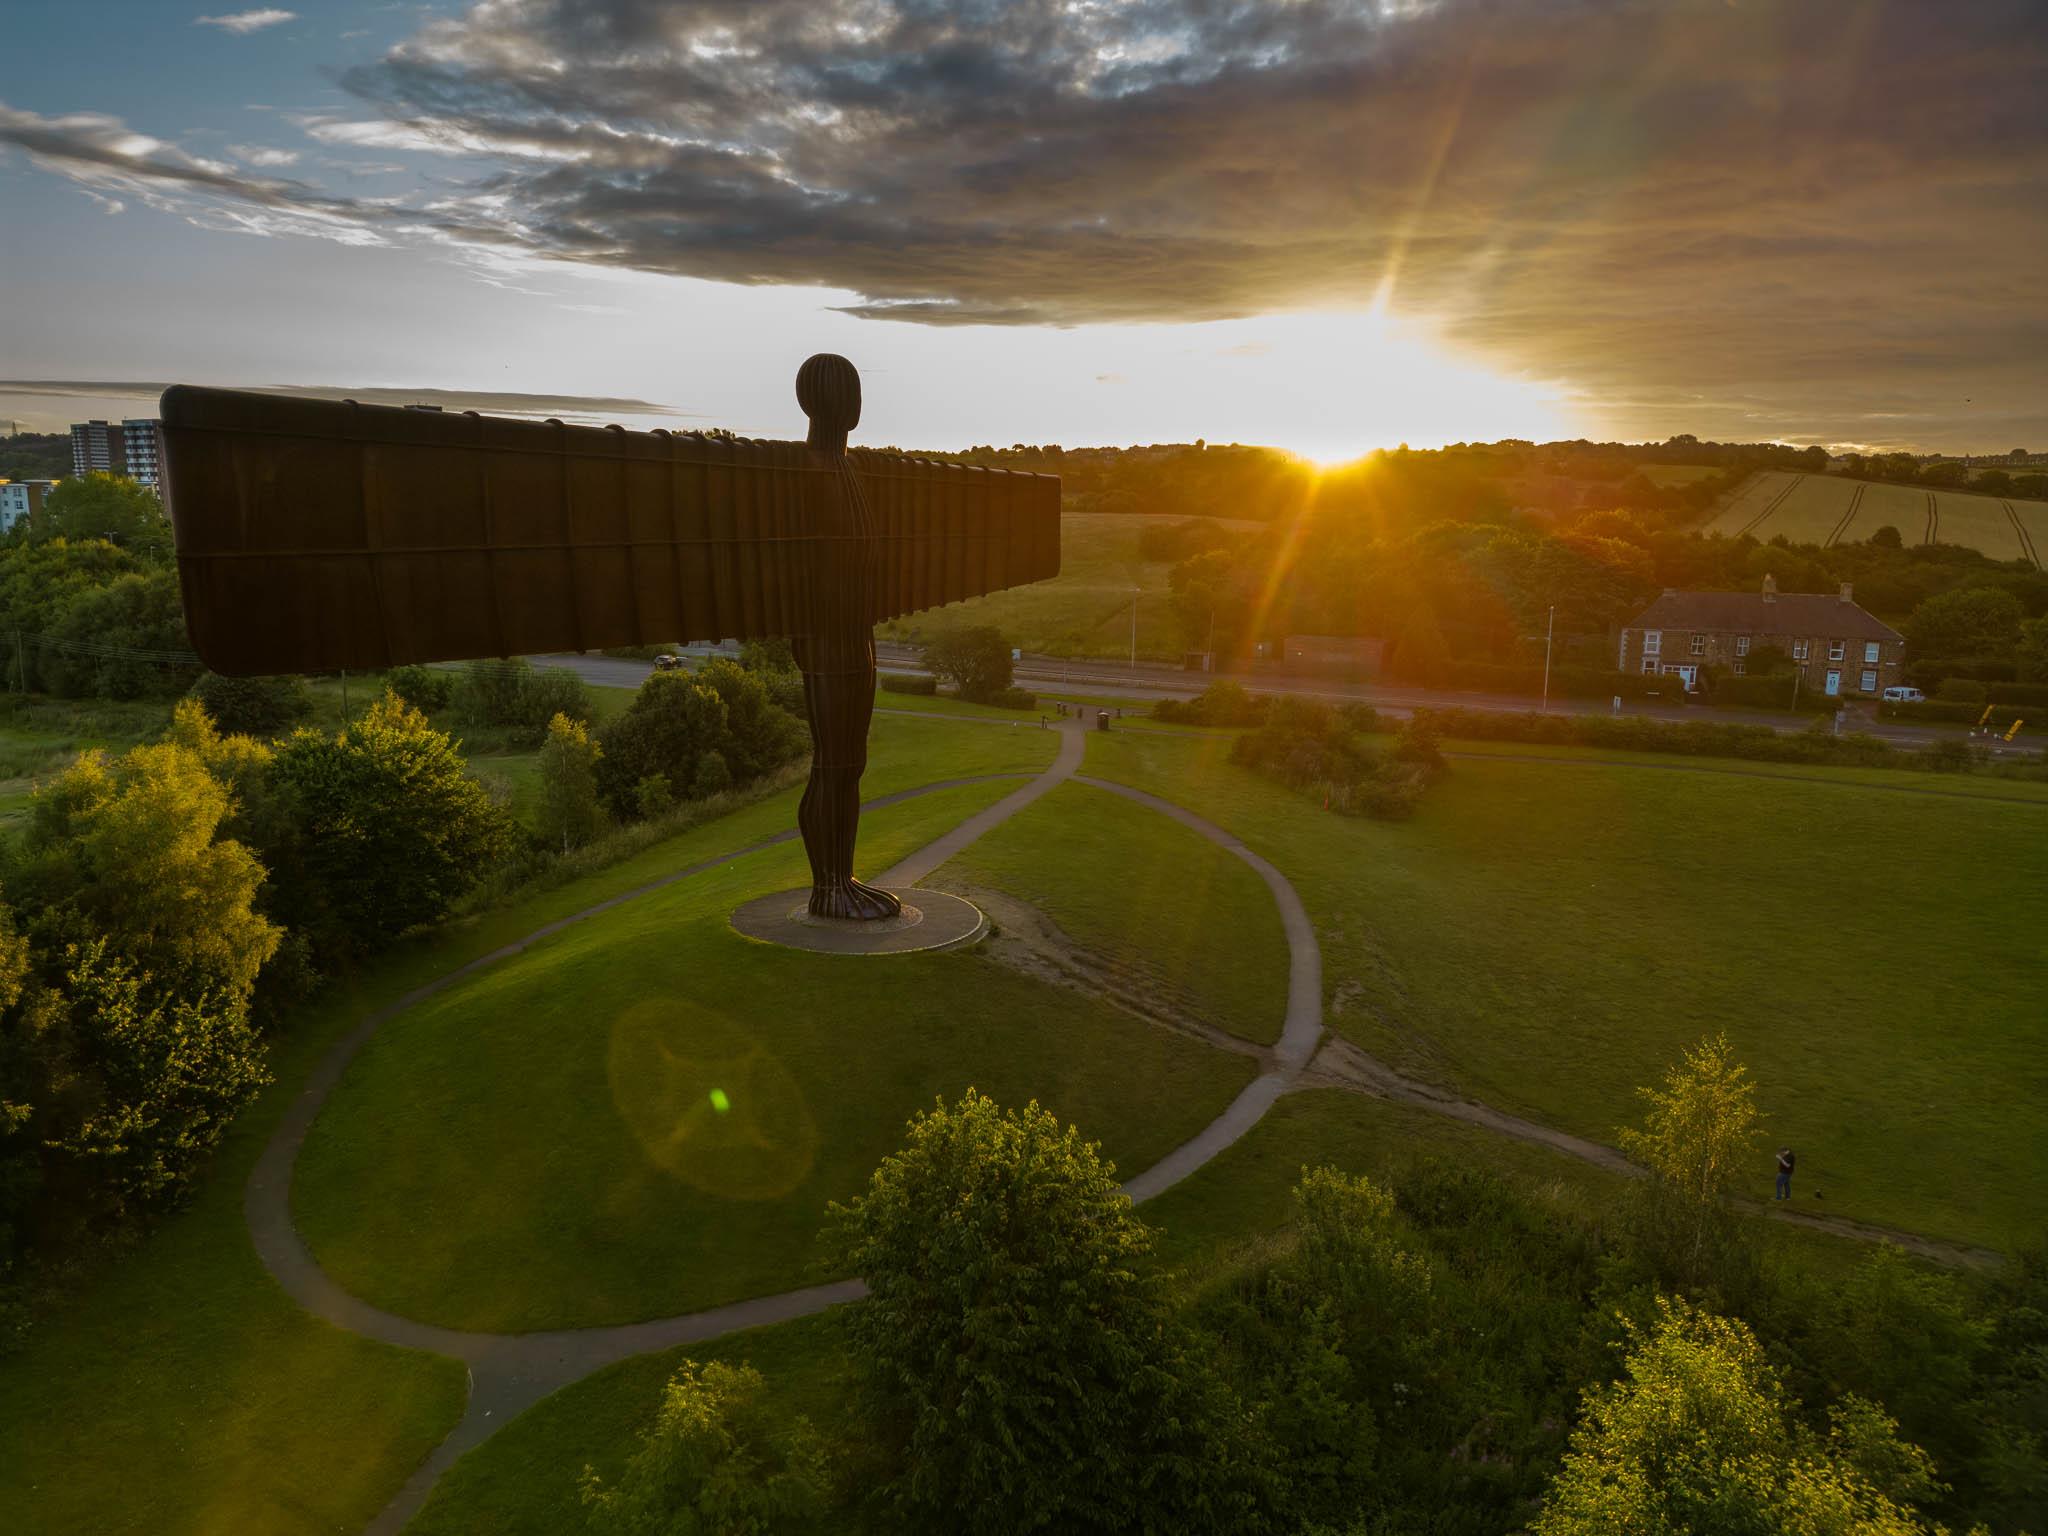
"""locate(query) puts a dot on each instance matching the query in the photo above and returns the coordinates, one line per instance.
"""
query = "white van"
(1904, 696)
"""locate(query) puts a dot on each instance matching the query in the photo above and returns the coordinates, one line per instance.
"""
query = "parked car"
(1904, 696)
(666, 662)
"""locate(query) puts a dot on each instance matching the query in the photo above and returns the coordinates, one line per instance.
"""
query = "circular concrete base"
(930, 920)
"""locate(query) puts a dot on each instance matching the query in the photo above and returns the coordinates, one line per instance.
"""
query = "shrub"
(760, 736)
(513, 696)
(653, 797)
(673, 720)
(1955, 712)
(1952, 756)
(1309, 746)
(252, 706)
(711, 776)
(426, 689)
(1013, 698)
(898, 682)
(1961, 690)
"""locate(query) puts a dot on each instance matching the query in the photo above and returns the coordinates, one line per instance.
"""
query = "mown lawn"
(1176, 916)
(540, 1148)
(1548, 935)
(179, 1390)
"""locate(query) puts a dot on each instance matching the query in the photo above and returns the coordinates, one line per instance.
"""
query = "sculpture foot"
(849, 898)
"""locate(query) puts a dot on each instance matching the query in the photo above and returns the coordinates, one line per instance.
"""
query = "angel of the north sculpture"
(323, 535)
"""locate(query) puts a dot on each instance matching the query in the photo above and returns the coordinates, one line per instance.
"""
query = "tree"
(760, 736)
(166, 1074)
(132, 851)
(1016, 1349)
(252, 706)
(389, 829)
(974, 658)
(712, 1462)
(1965, 621)
(1948, 474)
(1887, 537)
(1699, 1133)
(672, 721)
(570, 812)
(2032, 652)
(122, 640)
(1701, 1436)
(102, 506)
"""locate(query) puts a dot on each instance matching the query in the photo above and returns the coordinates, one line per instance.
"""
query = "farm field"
(1826, 509)
(1086, 609)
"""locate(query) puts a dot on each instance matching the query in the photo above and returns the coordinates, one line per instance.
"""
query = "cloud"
(489, 402)
(1808, 206)
(256, 154)
(241, 23)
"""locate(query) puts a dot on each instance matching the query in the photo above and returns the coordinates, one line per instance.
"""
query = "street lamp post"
(1549, 630)
(1135, 591)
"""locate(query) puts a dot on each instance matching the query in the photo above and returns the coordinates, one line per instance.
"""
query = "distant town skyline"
(1327, 226)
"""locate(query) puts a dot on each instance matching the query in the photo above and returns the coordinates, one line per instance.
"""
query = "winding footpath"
(509, 1373)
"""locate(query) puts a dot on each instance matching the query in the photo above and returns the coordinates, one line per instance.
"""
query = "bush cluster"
(1959, 712)
(689, 735)
(1310, 746)
(252, 706)
(922, 684)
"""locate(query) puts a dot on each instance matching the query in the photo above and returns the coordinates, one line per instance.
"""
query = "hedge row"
(1565, 682)
(1777, 691)
(921, 683)
(1959, 712)
(1693, 738)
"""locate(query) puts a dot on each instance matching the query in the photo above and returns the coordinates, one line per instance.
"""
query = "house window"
(1653, 641)
(1741, 647)
(1650, 666)
(1740, 664)
(1870, 680)
(1699, 645)
(1836, 648)
(1870, 653)
(1799, 649)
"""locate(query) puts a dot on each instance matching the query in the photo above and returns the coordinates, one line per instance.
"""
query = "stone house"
(1841, 648)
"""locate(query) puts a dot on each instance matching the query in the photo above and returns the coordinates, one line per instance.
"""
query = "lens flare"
(708, 1103)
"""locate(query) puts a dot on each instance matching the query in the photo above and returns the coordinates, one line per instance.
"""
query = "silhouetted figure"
(837, 658)
(1786, 1159)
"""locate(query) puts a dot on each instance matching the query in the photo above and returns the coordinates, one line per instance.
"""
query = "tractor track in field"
(1849, 516)
(1933, 533)
(2026, 539)
(509, 1373)
(1771, 506)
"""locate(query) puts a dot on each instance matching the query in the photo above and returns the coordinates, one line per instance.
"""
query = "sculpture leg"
(839, 699)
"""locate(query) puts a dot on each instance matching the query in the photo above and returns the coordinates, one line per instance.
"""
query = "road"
(1052, 674)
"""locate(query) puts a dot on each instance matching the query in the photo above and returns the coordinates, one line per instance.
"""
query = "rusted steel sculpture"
(315, 535)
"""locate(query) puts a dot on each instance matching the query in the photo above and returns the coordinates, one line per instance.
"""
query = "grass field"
(1086, 609)
(1827, 509)
(1548, 935)
(1178, 918)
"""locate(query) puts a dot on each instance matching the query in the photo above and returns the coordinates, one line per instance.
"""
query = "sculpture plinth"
(316, 535)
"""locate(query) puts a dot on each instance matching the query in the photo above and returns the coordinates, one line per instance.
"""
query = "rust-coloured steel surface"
(315, 534)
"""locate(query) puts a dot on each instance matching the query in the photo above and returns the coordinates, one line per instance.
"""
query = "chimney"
(1770, 588)
(1848, 593)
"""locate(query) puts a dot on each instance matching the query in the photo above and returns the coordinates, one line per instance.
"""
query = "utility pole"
(1549, 630)
(1134, 627)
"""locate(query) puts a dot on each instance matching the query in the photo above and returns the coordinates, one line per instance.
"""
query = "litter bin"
(1102, 719)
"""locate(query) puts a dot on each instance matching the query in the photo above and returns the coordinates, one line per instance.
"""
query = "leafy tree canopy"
(102, 506)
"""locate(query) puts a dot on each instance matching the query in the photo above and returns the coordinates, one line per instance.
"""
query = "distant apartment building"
(21, 498)
(134, 448)
(1840, 647)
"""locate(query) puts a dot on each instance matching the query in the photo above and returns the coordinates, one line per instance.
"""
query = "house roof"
(1798, 614)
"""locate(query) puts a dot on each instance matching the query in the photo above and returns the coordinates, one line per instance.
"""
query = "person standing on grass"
(1785, 1161)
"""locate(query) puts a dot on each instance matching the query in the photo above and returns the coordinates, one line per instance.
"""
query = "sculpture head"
(828, 389)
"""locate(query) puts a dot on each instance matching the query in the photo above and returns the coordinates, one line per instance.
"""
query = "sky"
(1327, 225)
